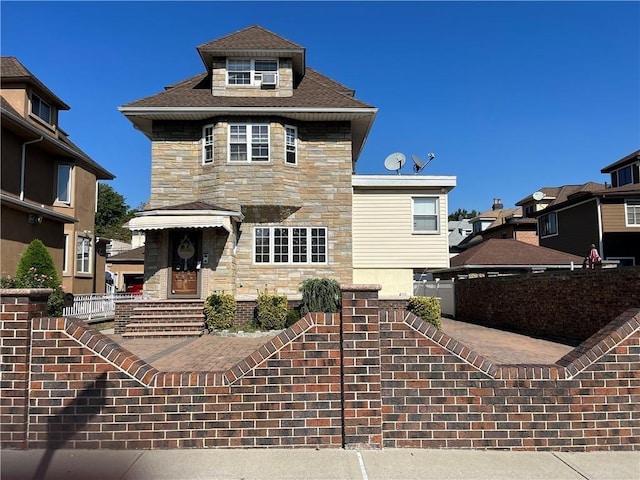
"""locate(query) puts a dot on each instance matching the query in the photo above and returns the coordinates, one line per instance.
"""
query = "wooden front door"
(185, 259)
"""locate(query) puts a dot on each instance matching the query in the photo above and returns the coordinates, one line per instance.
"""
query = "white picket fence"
(96, 307)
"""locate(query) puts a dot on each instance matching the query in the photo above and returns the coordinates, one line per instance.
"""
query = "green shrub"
(272, 310)
(320, 295)
(7, 281)
(427, 308)
(55, 303)
(292, 317)
(36, 268)
(219, 310)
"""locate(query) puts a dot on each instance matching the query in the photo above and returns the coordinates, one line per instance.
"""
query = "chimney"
(497, 204)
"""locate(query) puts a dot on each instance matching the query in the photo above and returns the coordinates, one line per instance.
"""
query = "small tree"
(320, 295)
(36, 270)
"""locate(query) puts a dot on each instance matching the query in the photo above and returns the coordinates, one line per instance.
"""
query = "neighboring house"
(398, 229)
(252, 163)
(494, 257)
(501, 223)
(48, 184)
(127, 269)
(607, 216)
(458, 231)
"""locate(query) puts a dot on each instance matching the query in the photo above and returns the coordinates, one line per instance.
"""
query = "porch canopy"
(188, 215)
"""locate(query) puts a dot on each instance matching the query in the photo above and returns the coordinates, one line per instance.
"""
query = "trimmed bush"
(427, 308)
(272, 310)
(219, 310)
(292, 317)
(320, 295)
(36, 268)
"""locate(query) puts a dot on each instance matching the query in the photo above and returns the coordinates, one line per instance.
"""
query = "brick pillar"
(17, 308)
(361, 389)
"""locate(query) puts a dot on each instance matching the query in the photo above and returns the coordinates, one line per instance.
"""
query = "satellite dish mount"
(419, 164)
(394, 162)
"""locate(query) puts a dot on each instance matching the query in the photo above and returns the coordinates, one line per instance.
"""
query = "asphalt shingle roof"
(497, 251)
(253, 37)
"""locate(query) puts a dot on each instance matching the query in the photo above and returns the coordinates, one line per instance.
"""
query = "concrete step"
(163, 317)
(156, 334)
(163, 326)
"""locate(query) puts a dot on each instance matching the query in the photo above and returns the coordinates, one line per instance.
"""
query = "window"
(622, 177)
(632, 208)
(548, 224)
(207, 144)
(239, 72)
(64, 184)
(425, 215)
(248, 143)
(250, 72)
(290, 245)
(291, 144)
(40, 108)
(83, 255)
(65, 254)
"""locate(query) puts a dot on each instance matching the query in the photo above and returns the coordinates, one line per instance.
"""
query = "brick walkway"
(217, 353)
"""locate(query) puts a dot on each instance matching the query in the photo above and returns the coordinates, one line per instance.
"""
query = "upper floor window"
(40, 108)
(291, 145)
(65, 254)
(252, 72)
(548, 224)
(632, 208)
(83, 255)
(207, 144)
(621, 177)
(425, 215)
(248, 143)
(64, 183)
(290, 245)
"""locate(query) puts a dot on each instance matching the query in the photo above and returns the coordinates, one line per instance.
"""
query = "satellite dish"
(395, 161)
(419, 164)
(537, 196)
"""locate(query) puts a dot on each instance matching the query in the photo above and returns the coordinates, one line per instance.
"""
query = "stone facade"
(315, 192)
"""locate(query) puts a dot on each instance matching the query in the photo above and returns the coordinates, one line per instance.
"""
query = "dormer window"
(252, 72)
(40, 108)
(623, 176)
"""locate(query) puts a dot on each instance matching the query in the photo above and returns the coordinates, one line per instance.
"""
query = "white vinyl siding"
(383, 232)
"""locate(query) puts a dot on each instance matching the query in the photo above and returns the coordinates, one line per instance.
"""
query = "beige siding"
(382, 231)
(394, 281)
(614, 218)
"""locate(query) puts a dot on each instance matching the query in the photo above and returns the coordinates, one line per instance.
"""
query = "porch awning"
(169, 221)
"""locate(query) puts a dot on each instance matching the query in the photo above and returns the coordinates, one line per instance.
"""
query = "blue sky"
(511, 96)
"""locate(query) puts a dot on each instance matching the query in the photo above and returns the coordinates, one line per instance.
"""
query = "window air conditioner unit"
(269, 78)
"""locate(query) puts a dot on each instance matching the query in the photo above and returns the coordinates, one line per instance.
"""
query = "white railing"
(97, 306)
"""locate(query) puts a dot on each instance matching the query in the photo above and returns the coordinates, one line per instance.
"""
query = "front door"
(185, 262)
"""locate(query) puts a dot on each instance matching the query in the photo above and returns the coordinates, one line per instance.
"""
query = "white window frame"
(248, 66)
(83, 255)
(628, 206)
(541, 223)
(290, 144)
(37, 104)
(293, 245)
(69, 168)
(65, 254)
(207, 144)
(415, 215)
(251, 139)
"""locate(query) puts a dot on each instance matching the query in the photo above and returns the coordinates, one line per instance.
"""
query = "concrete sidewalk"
(307, 464)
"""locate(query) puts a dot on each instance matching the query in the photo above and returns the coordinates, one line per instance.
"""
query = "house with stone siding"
(252, 172)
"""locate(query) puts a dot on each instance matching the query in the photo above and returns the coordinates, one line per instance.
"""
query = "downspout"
(22, 166)
(600, 240)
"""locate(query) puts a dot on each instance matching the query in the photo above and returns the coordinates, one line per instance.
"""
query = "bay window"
(248, 142)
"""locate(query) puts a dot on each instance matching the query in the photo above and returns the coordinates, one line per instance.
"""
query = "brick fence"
(569, 306)
(368, 378)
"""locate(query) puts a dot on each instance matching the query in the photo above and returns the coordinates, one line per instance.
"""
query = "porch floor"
(219, 353)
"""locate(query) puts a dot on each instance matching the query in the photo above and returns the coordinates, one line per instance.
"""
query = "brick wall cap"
(25, 292)
(361, 288)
